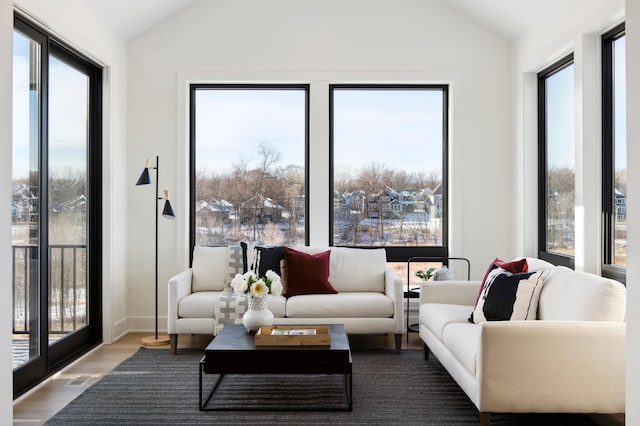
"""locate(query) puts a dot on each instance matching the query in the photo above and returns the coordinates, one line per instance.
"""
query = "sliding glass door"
(56, 206)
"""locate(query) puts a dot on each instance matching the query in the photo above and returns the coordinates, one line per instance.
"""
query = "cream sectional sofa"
(369, 298)
(570, 360)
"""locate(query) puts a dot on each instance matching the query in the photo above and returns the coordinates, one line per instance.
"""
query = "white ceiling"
(512, 18)
(130, 18)
(507, 18)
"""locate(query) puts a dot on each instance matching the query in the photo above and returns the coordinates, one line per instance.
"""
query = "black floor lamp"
(167, 212)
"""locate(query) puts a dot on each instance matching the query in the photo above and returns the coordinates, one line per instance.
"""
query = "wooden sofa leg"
(485, 418)
(398, 342)
(173, 341)
(426, 352)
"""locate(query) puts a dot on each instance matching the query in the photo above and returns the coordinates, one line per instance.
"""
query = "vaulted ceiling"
(507, 18)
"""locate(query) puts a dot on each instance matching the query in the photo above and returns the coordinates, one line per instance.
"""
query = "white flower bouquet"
(249, 283)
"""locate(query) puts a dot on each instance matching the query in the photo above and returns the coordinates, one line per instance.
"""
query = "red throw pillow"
(307, 273)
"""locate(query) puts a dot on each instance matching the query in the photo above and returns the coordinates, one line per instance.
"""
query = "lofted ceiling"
(130, 18)
(512, 18)
(508, 19)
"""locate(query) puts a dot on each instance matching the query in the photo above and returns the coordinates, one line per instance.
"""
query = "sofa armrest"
(393, 288)
(179, 287)
(454, 292)
(551, 366)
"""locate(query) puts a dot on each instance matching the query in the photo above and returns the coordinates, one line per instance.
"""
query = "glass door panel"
(56, 206)
(25, 200)
(67, 183)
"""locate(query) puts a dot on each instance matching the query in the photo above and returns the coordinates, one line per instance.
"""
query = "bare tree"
(374, 180)
(269, 157)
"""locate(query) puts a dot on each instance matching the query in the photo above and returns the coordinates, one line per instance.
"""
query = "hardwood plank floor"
(36, 407)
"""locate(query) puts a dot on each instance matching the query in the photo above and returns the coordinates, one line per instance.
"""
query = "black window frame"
(555, 258)
(400, 253)
(64, 351)
(192, 145)
(609, 269)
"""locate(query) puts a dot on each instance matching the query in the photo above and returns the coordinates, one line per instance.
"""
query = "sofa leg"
(398, 342)
(173, 341)
(485, 418)
(426, 352)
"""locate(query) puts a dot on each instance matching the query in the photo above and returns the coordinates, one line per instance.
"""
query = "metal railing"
(67, 293)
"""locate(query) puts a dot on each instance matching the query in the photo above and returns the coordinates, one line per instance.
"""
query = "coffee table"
(233, 351)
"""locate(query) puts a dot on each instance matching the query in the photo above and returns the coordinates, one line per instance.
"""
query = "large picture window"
(388, 179)
(614, 153)
(556, 133)
(249, 174)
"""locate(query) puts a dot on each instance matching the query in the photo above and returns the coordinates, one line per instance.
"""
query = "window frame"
(54, 356)
(555, 258)
(192, 145)
(400, 253)
(609, 269)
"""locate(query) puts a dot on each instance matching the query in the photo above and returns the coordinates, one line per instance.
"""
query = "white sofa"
(570, 360)
(369, 298)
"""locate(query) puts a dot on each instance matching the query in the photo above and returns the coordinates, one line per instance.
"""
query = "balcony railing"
(67, 288)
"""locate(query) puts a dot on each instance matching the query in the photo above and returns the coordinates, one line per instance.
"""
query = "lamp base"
(153, 341)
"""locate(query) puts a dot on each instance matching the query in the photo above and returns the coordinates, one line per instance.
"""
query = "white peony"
(259, 289)
(272, 275)
(276, 287)
(239, 284)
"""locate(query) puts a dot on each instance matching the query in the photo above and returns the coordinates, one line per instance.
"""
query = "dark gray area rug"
(155, 387)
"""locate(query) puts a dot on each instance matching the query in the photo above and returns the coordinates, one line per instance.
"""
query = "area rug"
(155, 387)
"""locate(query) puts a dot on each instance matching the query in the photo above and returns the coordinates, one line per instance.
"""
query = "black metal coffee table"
(233, 351)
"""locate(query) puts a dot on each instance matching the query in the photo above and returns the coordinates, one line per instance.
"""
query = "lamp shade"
(167, 211)
(145, 177)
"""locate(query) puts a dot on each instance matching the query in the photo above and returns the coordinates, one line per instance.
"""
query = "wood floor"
(39, 405)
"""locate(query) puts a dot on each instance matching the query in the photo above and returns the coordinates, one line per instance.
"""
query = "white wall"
(318, 43)
(530, 54)
(633, 216)
(6, 60)
(70, 21)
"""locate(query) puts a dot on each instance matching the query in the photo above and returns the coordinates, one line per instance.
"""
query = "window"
(248, 156)
(556, 172)
(614, 154)
(388, 159)
(56, 205)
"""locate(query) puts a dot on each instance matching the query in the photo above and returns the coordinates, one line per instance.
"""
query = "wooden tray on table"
(293, 335)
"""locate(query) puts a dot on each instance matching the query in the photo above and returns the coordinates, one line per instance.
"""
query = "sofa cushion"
(277, 305)
(463, 341)
(436, 316)
(307, 273)
(201, 304)
(578, 296)
(341, 305)
(535, 264)
(354, 269)
(210, 268)
(506, 296)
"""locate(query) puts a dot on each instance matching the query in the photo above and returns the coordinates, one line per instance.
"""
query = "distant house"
(261, 209)
(620, 205)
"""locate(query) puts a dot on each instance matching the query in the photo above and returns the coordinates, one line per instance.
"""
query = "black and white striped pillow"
(506, 296)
